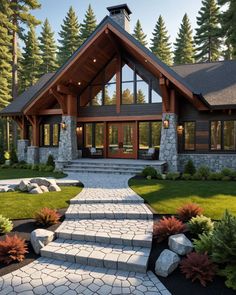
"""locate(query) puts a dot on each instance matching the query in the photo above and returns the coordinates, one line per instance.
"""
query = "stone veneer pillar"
(22, 145)
(68, 142)
(33, 155)
(169, 142)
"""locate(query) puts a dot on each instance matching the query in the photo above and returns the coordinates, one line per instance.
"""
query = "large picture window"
(229, 135)
(189, 136)
(94, 135)
(216, 135)
(49, 134)
(149, 135)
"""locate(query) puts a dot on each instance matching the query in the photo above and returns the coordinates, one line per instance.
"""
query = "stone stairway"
(111, 166)
(112, 229)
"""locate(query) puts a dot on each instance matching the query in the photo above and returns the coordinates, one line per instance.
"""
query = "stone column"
(33, 155)
(68, 142)
(22, 145)
(169, 142)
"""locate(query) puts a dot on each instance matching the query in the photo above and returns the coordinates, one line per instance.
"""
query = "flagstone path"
(102, 247)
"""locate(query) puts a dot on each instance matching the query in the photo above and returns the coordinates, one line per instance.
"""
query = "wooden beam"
(165, 95)
(61, 100)
(35, 121)
(50, 112)
(118, 84)
(120, 118)
(71, 105)
(65, 90)
(113, 41)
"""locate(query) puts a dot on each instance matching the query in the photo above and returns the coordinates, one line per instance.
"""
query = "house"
(114, 95)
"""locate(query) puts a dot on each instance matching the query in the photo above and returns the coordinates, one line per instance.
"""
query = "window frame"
(183, 144)
(42, 134)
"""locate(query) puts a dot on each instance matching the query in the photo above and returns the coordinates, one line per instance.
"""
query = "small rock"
(10, 189)
(3, 189)
(166, 263)
(40, 238)
(180, 244)
(36, 191)
(23, 185)
(54, 188)
(44, 189)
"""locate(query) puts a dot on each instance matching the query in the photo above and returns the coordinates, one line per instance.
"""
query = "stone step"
(108, 211)
(102, 170)
(114, 162)
(119, 232)
(113, 167)
(100, 255)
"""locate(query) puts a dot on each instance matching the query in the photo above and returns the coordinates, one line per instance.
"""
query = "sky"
(146, 10)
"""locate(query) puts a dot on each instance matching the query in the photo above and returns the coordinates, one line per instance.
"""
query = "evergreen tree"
(48, 49)
(207, 34)
(184, 49)
(31, 59)
(228, 24)
(89, 24)
(139, 34)
(140, 96)
(5, 54)
(70, 39)
(160, 44)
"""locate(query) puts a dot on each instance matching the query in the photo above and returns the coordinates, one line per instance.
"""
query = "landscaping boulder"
(180, 244)
(24, 186)
(6, 189)
(166, 263)
(54, 188)
(36, 191)
(44, 189)
(43, 181)
(40, 238)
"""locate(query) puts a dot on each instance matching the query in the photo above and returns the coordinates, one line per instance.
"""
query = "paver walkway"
(102, 247)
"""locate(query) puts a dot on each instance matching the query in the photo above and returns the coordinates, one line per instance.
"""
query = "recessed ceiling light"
(94, 60)
(146, 60)
(79, 83)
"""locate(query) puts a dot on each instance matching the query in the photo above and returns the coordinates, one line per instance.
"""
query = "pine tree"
(31, 59)
(89, 24)
(160, 44)
(70, 39)
(139, 34)
(5, 54)
(184, 50)
(207, 34)
(48, 49)
(228, 24)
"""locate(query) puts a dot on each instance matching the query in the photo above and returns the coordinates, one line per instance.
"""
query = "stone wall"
(216, 162)
(22, 146)
(33, 155)
(44, 152)
(169, 143)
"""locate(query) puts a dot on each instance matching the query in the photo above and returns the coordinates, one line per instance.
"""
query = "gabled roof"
(33, 93)
(216, 81)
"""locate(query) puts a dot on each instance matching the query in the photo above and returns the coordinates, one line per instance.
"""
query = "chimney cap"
(120, 6)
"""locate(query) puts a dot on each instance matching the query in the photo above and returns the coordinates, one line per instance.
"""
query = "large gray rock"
(6, 189)
(40, 238)
(180, 244)
(54, 188)
(166, 263)
(36, 191)
(24, 185)
(43, 181)
(44, 189)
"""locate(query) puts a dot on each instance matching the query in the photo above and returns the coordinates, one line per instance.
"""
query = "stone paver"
(103, 248)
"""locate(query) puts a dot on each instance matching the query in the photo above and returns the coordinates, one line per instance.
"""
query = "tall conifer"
(207, 34)
(139, 34)
(160, 44)
(184, 50)
(89, 24)
(70, 36)
(48, 49)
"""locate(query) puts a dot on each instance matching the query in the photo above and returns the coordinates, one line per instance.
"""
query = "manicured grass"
(10, 173)
(166, 196)
(17, 205)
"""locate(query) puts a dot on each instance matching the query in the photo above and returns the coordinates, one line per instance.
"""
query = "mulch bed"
(23, 228)
(176, 282)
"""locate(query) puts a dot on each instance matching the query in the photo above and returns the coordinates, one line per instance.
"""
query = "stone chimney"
(120, 14)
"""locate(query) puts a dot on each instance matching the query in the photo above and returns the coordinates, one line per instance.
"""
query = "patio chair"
(94, 153)
(149, 154)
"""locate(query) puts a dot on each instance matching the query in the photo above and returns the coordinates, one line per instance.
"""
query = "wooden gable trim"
(50, 112)
(61, 100)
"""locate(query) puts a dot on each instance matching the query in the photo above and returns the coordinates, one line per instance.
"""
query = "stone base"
(59, 165)
(22, 145)
(33, 155)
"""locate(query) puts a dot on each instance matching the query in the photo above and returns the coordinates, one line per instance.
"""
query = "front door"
(121, 140)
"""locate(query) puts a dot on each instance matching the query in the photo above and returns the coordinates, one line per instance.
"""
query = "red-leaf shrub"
(167, 227)
(47, 217)
(198, 267)
(12, 249)
(187, 211)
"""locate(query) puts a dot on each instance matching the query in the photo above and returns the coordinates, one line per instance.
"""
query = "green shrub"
(49, 169)
(149, 171)
(200, 224)
(196, 176)
(189, 168)
(215, 176)
(203, 172)
(230, 273)
(42, 167)
(13, 156)
(6, 225)
(186, 176)
(226, 178)
(28, 166)
(224, 240)
(172, 176)
(2, 155)
(35, 167)
(14, 166)
(50, 161)
(229, 173)
(159, 176)
(203, 244)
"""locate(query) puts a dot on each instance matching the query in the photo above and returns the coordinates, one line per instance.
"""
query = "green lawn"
(166, 196)
(10, 173)
(17, 205)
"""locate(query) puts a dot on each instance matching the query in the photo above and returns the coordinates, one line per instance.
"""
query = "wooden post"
(71, 105)
(118, 84)
(34, 121)
(136, 138)
(105, 149)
